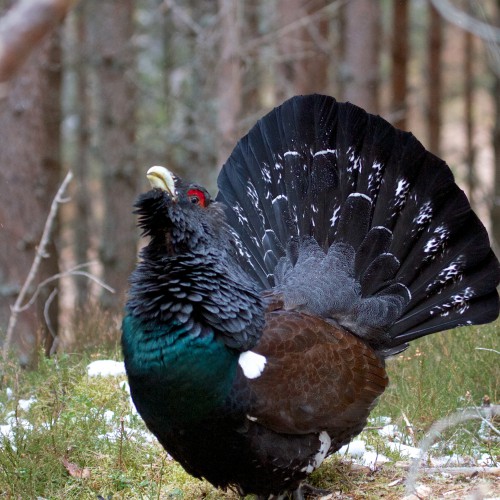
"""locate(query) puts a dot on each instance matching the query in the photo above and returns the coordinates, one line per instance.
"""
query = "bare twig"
(74, 271)
(434, 433)
(46, 315)
(409, 428)
(455, 471)
(486, 349)
(463, 20)
(291, 27)
(39, 255)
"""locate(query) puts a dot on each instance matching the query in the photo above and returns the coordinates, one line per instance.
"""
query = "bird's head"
(179, 216)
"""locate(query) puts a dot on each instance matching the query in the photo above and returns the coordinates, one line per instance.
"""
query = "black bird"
(258, 323)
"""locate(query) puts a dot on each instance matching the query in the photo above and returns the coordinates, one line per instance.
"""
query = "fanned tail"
(402, 253)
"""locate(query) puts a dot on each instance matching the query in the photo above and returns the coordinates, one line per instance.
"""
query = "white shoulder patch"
(252, 364)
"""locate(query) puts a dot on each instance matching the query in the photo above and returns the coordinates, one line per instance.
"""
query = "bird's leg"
(307, 491)
(271, 497)
(298, 494)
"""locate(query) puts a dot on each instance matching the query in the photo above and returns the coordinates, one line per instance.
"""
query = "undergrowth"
(79, 438)
(439, 375)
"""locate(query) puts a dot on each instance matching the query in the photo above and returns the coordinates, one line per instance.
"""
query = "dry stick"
(39, 255)
(486, 349)
(409, 427)
(463, 20)
(456, 471)
(74, 271)
(46, 308)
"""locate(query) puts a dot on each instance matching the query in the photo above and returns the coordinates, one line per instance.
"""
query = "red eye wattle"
(197, 197)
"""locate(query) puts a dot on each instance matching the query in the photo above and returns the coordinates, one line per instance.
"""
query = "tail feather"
(468, 299)
(355, 213)
(379, 274)
(377, 242)
(317, 168)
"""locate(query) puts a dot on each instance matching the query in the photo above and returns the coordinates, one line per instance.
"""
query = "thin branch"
(300, 23)
(409, 427)
(463, 20)
(434, 433)
(39, 255)
(486, 349)
(455, 471)
(74, 271)
(46, 314)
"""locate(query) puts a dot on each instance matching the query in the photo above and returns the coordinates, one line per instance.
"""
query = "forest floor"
(68, 430)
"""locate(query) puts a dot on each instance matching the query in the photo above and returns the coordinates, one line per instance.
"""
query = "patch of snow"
(376, 421)
(106, 368)
(355, 448)
(404, 450)
(24, 404)
(364, 454)
(372, 459)
(389, 431)
(109, 416)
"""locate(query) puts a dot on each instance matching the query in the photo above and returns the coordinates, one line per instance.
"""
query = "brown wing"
(317, 377)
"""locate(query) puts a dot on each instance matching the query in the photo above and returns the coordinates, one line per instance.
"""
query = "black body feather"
(257, 325)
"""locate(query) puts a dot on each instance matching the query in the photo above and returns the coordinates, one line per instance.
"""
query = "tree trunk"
(81, 224)
(114, 55)
(29, 179)
(229, 79)
(362, 53)
(303, 50)
(338, 39)
(23, 28)
(495, 209)
(469, 114)
(399, 63)
(435, 43)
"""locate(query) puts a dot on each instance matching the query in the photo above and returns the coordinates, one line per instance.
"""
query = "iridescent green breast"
(174, 373)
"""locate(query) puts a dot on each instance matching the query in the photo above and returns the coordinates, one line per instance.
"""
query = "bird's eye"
(197, 197)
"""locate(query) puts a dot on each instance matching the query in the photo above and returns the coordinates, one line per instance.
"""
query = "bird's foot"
(305, 491)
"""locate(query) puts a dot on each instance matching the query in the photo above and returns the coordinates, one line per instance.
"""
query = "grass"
(437, 376)
(79, 439)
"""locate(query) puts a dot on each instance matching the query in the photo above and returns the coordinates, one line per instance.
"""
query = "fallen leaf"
(76, 471)
(396, 482)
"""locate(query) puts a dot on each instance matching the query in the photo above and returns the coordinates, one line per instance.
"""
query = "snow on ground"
(358, 450)
(363, 454)
(106, 368)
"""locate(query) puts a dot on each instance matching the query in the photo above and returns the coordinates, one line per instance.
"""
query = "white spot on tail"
(325, 443)
(375, 177)
(424, 214)
(252, 364)
(325, 152)
(360, 195)
(335, 216)
(402, 187)
(266, 173)
(402, 190)
(279, 197)
(354, 161)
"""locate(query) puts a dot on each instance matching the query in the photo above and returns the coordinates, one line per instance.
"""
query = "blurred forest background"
(119, 85)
